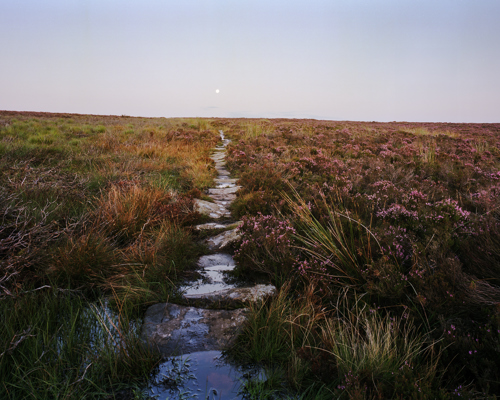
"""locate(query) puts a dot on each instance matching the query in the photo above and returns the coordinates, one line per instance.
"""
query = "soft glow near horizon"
(379, 60)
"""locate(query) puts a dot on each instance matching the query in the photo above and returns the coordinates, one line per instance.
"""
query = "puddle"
(206, 288)
(104, 325)
(201, 375)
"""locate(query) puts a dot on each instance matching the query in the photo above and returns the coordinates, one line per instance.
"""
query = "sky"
(360, 60)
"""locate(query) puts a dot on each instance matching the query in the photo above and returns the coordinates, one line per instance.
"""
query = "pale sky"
(362, 60)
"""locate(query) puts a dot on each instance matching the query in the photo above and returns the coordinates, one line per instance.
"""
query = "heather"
(403, 216)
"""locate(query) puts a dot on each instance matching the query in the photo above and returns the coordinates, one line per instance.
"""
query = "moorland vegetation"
(95, 215)
(383, 239)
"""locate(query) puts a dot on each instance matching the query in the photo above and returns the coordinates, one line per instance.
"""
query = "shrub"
(266, 246)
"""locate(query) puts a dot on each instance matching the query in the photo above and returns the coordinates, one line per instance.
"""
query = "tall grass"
(428, 152)
(364, 342)
(141, 272)
(126, 211)
(253, 129)
(279, 325)
(339, 242)
(349, 344)
(84, 261)
(93, 215)
(56, 345)
(278, 329)
(426, 132)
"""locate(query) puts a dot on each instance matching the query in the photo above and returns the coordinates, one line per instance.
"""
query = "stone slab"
(177, 330)
(224, 197)
(209, 226)
(223, 240)
(229, 190)
(235, 295)
(214, 260)
(218, 157)
(225, 185)
(226, 180)
(207, 208)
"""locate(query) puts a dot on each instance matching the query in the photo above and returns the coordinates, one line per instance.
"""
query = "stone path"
(177, 329)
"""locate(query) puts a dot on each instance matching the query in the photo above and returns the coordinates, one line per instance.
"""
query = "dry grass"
(85, 191)
(127, 209)
(91, 208)
(85, 261)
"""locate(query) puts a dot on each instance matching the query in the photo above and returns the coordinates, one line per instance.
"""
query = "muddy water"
(205, 374)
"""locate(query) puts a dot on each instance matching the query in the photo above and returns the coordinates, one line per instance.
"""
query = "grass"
(382, 237)
(253, 129)
(68, 348)
(421, 131)
(348, 348)
(363, 342)
(342, 249)
(95, 216)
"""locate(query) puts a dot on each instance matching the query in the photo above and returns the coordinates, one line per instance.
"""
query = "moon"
(217, 90)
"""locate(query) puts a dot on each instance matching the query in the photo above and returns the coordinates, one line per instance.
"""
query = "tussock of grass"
(87, 260)
(363, 342)
(331, 242)
(127, 210)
